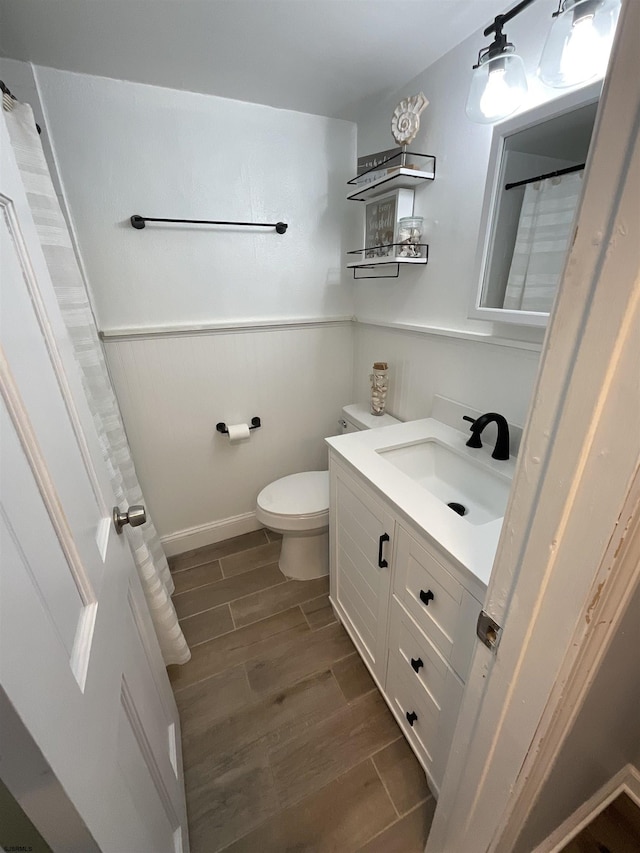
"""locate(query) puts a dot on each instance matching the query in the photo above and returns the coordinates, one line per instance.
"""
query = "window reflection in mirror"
(529, 224)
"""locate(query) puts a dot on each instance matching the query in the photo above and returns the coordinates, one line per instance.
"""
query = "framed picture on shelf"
(382, 215)
(382, 160)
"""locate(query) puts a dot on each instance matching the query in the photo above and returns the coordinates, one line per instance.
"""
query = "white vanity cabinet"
(361, 545)
(410, 613)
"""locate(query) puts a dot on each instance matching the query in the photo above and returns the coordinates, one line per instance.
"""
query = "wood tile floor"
(287, 744)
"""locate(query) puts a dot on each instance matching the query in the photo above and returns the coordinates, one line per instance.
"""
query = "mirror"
(533, 193)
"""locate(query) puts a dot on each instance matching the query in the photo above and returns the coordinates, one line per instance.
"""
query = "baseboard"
(626, 781)
(207, 534)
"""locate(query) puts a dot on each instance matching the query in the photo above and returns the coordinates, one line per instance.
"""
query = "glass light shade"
(498, 87)
(579, 42)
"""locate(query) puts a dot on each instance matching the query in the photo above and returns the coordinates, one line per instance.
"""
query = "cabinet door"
(362, 532)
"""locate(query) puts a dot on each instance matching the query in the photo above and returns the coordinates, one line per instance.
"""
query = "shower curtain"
(542, 240)
(74, 304)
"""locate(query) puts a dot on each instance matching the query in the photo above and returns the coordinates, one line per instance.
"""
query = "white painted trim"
(289, 324)
(51, 343)
(458, 334)
(568, 102)
(626, 781)
(208, 534)
(132, 714)
(17, 411)
(232, 327)
(611, 591)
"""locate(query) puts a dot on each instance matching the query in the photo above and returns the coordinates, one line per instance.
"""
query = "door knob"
(135, 516)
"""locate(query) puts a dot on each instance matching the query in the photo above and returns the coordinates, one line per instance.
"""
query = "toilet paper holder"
(255, 424)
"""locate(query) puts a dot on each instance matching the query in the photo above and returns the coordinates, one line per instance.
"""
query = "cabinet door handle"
(426, 597)
(382, 564)
(416, 663)
(411, 717)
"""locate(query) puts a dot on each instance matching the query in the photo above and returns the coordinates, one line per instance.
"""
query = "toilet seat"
(297, 502)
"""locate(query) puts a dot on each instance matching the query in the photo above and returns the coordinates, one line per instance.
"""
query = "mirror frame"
(522, 121)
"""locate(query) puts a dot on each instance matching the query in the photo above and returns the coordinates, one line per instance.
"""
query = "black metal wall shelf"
(401, 172)
(374, 263)
(399, 175)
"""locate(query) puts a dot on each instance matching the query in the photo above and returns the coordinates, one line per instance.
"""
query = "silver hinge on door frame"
(488, 631)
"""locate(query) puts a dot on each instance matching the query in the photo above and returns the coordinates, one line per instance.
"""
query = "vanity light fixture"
(579, 42)
(499, 81)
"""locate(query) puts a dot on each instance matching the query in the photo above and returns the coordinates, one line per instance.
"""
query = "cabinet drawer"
(428, 729)
(441, 606)
(416, 656)
(407, 698)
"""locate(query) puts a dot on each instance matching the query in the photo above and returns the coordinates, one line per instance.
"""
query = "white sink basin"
(453, 478)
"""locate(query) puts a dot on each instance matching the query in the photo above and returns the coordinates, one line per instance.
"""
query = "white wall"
(486, 376)
(173, 391)
(439, 294)
(125, 148)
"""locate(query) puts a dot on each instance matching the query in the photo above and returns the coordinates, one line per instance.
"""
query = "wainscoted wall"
(485, 375)
(123, 148)
(174, 389)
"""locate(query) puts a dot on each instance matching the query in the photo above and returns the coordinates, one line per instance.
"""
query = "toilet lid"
(297, 494)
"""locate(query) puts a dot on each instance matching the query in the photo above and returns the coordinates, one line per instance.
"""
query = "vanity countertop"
(472, 546)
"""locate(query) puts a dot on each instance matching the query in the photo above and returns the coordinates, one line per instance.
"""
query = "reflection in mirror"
(535, 200)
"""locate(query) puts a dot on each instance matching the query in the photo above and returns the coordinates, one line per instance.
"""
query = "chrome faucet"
(501, 450)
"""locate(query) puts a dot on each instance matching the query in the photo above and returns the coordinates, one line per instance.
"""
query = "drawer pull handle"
(416, 663)
(426, 597)
(411, 717)
(382, 564)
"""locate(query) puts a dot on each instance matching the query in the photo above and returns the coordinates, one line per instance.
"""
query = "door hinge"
(488, 631)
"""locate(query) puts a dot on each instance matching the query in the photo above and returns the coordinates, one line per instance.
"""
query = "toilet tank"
(356, 417)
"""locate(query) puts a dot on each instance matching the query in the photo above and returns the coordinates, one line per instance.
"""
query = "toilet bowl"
(297, 506)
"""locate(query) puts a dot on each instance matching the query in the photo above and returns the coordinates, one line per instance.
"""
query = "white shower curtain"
(76, 311)
(542, 240)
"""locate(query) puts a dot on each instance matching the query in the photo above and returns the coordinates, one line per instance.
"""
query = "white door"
(89, 742)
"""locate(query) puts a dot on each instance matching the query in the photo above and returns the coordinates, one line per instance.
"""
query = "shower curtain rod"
(555, 174)
(6, 91)
(139, 222)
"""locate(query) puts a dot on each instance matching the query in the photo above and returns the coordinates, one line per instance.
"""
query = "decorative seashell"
(405, 121)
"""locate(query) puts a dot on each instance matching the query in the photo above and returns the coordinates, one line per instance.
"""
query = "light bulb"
(498, 87)
(498, 97)
(582, 54)
(579, 41)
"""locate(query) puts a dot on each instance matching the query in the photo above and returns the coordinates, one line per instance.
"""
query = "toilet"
(297, 506)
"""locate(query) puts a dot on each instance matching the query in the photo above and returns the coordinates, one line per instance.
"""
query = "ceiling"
(327, 57)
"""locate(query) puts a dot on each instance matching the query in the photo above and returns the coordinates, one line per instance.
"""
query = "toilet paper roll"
(238, 433)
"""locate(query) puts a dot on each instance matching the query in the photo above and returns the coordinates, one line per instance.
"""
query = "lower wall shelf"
(385, 261)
